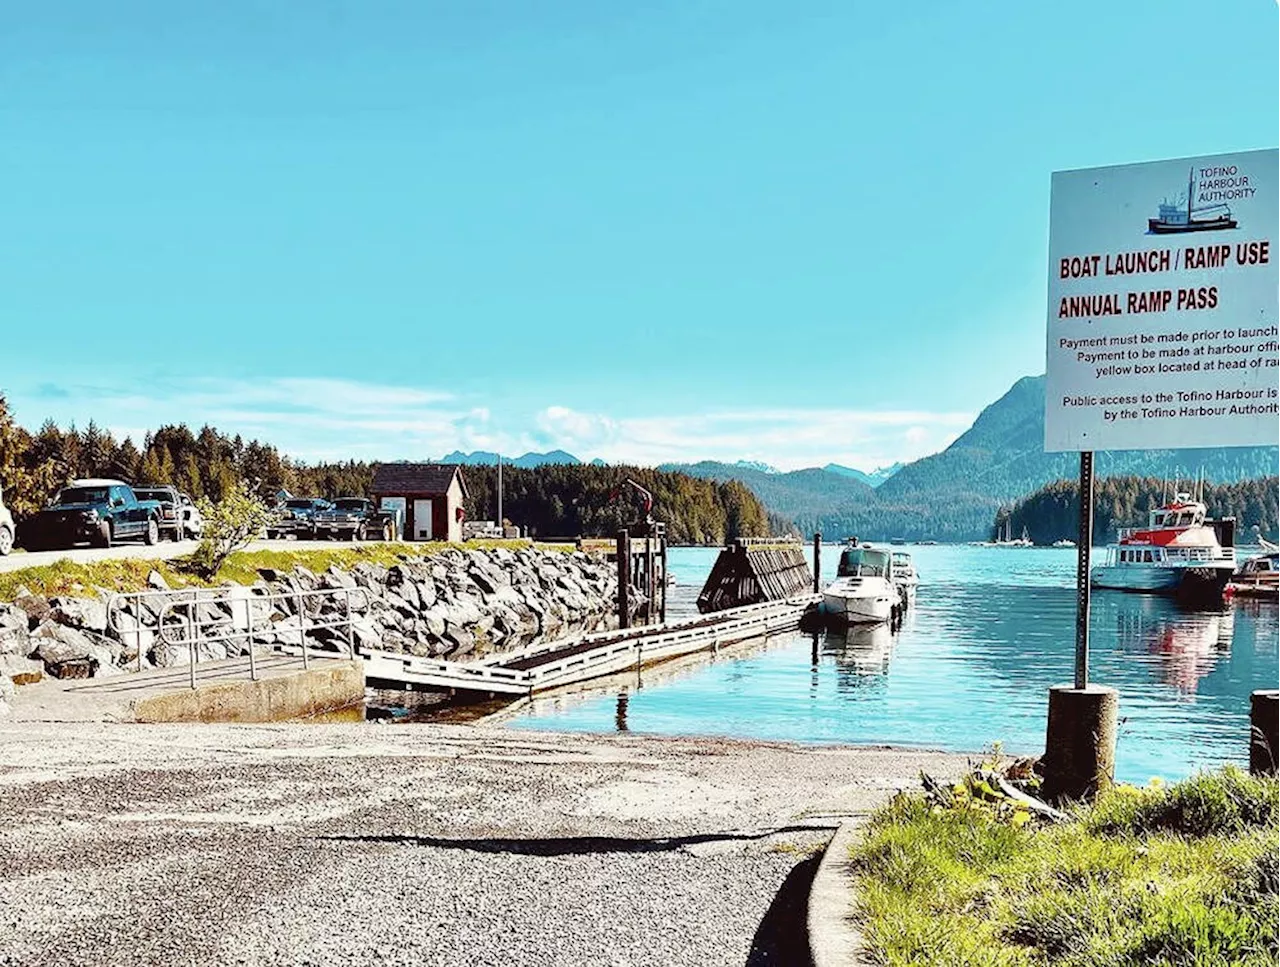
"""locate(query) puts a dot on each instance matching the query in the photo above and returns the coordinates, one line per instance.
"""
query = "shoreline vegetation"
(553, 501)
(1052, 512)
(1161, 875)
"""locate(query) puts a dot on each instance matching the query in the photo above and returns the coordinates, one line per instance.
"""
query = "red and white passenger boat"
(1179, 552)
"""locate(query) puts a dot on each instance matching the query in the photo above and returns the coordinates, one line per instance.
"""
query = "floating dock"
(583, 657)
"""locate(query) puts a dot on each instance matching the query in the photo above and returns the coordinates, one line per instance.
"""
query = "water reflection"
(990, 634)
(1185, 644)
(860, 650)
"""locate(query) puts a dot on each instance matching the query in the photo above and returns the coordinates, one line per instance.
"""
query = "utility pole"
(500, 527)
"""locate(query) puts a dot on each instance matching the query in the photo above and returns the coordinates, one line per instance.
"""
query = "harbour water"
(993, 628)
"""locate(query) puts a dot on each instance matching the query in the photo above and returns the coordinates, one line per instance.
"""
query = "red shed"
(429, 496)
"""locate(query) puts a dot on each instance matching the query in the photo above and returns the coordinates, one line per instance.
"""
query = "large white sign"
(1162, 329)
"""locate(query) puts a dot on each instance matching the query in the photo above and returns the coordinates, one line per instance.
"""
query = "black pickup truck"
(99, 512)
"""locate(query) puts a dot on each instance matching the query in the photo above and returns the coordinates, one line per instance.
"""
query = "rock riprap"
(456, 604)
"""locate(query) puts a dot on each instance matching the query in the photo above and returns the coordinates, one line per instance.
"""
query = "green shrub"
(1209, 803)
(1184, 875)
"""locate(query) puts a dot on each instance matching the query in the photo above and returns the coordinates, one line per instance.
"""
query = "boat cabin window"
(1146, 557)
(863, 562)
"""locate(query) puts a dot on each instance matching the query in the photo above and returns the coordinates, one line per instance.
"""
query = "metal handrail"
(117, 601)
(196, 632)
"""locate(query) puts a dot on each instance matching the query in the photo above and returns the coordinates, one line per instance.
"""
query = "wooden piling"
(817, 562)
(666, 578)
(1080, 744)
(1263, 718)
(650, 580)
(624, 579)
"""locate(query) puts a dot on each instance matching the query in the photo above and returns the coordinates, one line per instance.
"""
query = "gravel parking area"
(422, 844)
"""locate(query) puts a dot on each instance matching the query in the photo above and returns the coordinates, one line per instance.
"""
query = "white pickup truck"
(7, 528)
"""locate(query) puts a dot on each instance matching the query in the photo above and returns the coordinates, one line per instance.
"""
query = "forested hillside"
(799, 495)
(567, 500)
(555, 500)
(956, 493)
(1051, 513)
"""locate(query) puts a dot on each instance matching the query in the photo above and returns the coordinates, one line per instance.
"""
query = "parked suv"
(349, 517)
(297, 517)
(179, 516)
(99, 512)
(7, 529)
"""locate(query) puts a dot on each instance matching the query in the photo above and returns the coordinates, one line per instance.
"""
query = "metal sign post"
(1084, 544)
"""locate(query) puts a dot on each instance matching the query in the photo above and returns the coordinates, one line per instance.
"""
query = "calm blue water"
(992, 630)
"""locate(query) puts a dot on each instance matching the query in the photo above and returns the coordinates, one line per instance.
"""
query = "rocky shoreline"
(455, 604)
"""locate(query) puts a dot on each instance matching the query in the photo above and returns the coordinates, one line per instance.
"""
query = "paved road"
(416, 844)
(162, 551)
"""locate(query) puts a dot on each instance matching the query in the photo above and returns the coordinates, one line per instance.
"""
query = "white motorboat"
(1178, 552)
(1064, 543)
(1259, 576)
(903, 574)
(863, 590)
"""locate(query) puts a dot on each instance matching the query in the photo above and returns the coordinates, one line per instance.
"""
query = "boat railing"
(1169, 555)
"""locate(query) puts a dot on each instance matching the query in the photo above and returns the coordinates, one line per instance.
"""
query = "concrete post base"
(1263, 748)
(1080, 743)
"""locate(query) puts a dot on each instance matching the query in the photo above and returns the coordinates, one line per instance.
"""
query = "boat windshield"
(1173, 518)
(863, 562)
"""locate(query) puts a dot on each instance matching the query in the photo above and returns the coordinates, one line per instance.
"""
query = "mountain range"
(954, 495)
(873, 479)
(485, 458)
(948, 496)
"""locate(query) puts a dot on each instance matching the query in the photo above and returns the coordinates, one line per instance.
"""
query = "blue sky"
(672, 230)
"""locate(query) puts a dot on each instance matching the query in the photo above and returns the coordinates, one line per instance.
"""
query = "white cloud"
(331, 419)
(785, 438)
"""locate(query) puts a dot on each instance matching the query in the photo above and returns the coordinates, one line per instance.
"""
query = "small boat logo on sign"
(1182, 216)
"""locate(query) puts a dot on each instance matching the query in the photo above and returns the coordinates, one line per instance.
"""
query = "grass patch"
(1177, 875)
(67, 576)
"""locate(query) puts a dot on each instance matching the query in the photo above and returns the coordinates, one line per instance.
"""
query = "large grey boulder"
(306, 577)
(56, 643)
(36, 606)
(463, 641)
(426, 590)
(87, 614)
(14, 633)
(336, 579)
(23, 671)
(59, 646)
